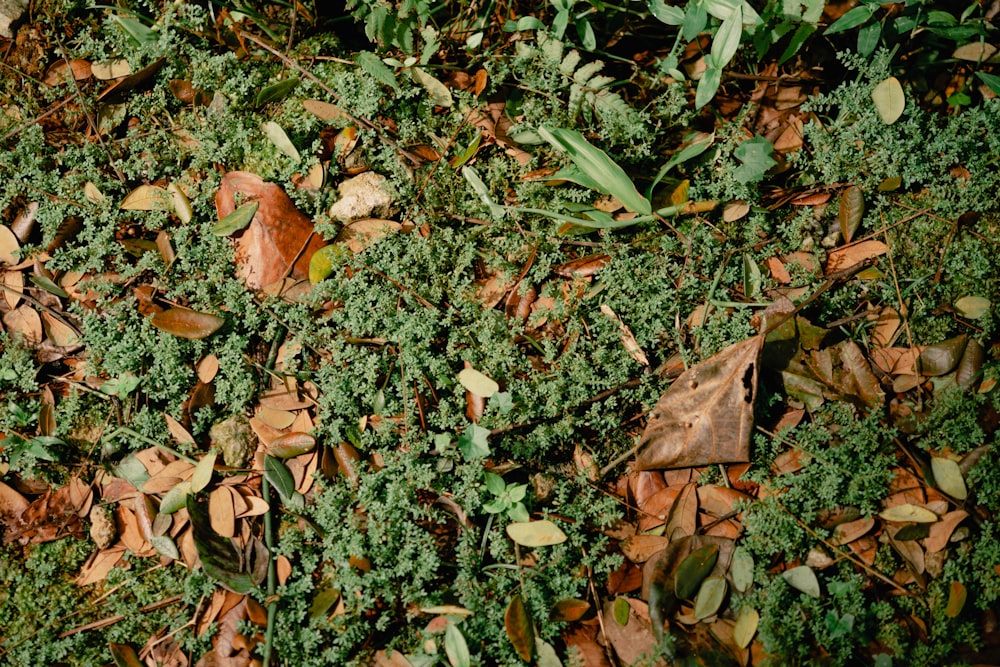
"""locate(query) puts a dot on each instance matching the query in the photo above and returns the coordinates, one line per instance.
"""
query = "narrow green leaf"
(708, 85)
(596, 164)
(851, 19)
(280, 477)
(276, 91)
(992, 81)
(480, 189)
(277, 135)
(236, 220)
(710, 597)
(727, 39)
(374, 66)
(693, 570)
(751, 277)
(666, 13)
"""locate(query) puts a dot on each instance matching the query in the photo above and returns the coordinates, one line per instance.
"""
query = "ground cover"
(474, 334)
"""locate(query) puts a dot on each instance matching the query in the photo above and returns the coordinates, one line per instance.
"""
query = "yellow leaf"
(948, 477)
(477, 383)
(908, 512)
(536, 533)
(889, 100)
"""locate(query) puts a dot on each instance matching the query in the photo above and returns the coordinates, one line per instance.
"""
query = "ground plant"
(474, 333)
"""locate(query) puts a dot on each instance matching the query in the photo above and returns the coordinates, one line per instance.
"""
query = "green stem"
(125, 430)
(272, 577)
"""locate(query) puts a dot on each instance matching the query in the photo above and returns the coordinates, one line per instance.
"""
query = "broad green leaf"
(280, 477)
(948, 477)
(139, 33)
(889, 100)
(478, 383)
(802, 33)
(517, 622)
(479, 187)
(542, 533)
(132, 471)
(277, 135)
(374, 66)
(439, 94)
(185, 323)
(741, 569)
(802, 578)
(992, 81)
(276, 91)
(693, 570)
(708, 85)
(236, 220)
(727, 39)
(851, 19)
(755, 154)
(868, 38)
(746, 626)
(202, 474)
(165, 546)
(695, 20)
(324, 600)
(972, 307)
(666, 13)
(908, 512)
(495, 483)
(710, 597)
(596, 164)
(325, 261)
(621, 611)
(456, 648)
(546, 654)
(473, 443)
(721, 9)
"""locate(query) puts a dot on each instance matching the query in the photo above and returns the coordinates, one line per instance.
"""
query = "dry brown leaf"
(99, 564)
(847, 256)
(706, 416)
(581, 644)
(718, 500)
(207, 368)
(12, 503)
(276, 419)
(362, 233)
(25, 322)
(632, 641)
(941, 531)
(12, 283)
(58, 332)
(640, 548)
(280, 238)
(177, 431)
(683, 518)
(221, 512)
(628, 339)
(848, 532)
(656, 508)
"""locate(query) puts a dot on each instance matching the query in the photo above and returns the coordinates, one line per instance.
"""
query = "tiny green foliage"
(508, 498)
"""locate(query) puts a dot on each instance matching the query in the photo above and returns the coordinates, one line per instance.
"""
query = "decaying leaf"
(852, 209)
(186, 323)
(802, 578)
(706, 416)
(517, 622)
(279, 239)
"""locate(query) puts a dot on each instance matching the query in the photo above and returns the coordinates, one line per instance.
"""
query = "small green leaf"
(325, 261)
(972, 307)
(165, 546)
(473, 443)
(479, 187)
(710, 597)
(202, 474)
(666, 13)
(175, 498)
(280, 477)
(992, 81)
(277, 135)
(751, 277)
(547, 656)
(802, 578)
(276, 91)
(741, 569)
(693, 570)
(889, 100)
(495, 483)
(755, 154)
(948, 477)
(517, 622)
(456, 648)
(708, 85)
(746, 626)
(621, 611)
(374, 66)
(727, 39)
(542, 533)
(236, 220)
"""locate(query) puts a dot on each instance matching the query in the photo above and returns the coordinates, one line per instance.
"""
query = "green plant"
(507, 498)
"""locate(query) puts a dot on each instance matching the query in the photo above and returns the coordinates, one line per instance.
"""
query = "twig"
(111, 620)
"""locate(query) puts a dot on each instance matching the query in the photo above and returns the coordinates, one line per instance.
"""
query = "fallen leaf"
(852, 209)
(746, 626)
(627, 338)
(631, 641)
(948, 477)
(706, 416)
(710, 597)
(941, 531)
(802, 578)
(186, 323)
(477, 383)
(279, 239)
(569, 610)
(908, 512)
(147, 198)
(640, 548)
(849, 255)
(889, 100)
(517, 622)
(542, 533)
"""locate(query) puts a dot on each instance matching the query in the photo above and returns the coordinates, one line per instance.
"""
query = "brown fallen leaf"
(842, 258)
(706, 416)
(279, 239)
(186, 323)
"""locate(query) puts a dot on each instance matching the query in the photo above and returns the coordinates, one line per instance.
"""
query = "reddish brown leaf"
(706, 416)
(280, 238)
(519, 630)
(186, 323)
(569, 610)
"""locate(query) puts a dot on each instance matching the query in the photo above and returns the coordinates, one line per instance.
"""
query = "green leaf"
(972, 307)
(694, 145)
(277, 135)
(379, 71)
(889, 100)
(439, 94)
(803, 579)
(165, 546)
(755, 154)
(621, 611)
(666, 13)
(708, 85)
(495, 483)
(276, 91)
(948, 477)
(746, 626)
(695, 20)
(547, 656)
(202, 474)
(175, 498)
(992, 81)
(479, 187)
(518, 513)
(596, 164)
(517, 622)
(236, 220)
(851, 19)
(693, 570)
(868, 38)
(908, 512)
(710, 597)
(325, 261)
(137, 32)
(280, 477)
(456, 648)
(473, 443)
(802, 33)
(727, 39)
(741, 569)
(751, 277)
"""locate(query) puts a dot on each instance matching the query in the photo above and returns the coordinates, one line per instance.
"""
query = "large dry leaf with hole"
(706, 416)
(279, 240)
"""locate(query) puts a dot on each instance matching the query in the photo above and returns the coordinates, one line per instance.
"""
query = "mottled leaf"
(956, 599)
(802, 578)
(291, 445)
(569, 610)
(711, 594)
(948, 477)
(517, 622)
(741, 569)
(693, 570)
